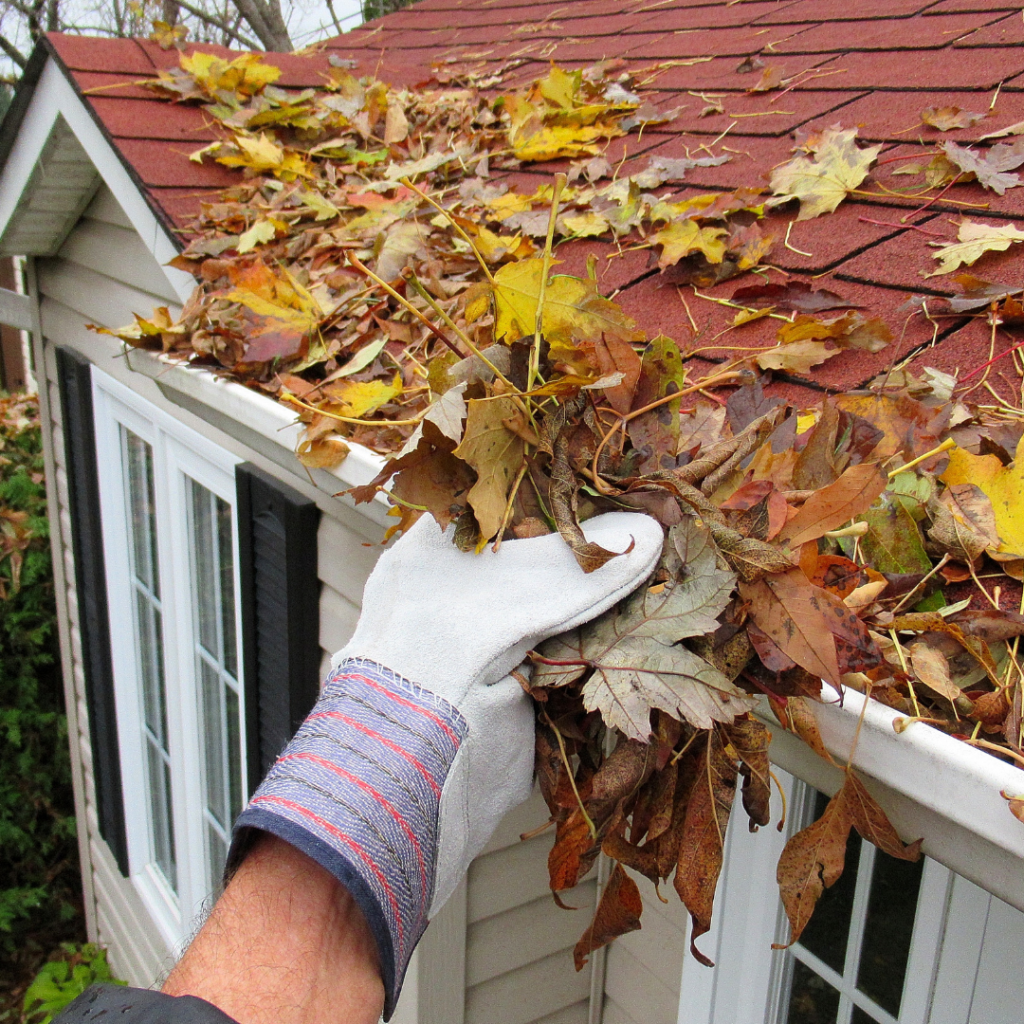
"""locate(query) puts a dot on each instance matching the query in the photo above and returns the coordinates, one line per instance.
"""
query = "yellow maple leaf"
(974, 239)
(822, 180)
(574, 310)
(262, 155)
(556, 142)
(1004, 486)
(682, 237)
(245, 75)
(360, 398)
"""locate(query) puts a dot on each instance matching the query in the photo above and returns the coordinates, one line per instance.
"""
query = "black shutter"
(277, 530)
(75, 380)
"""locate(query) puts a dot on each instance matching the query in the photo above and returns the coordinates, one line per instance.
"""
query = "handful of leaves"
(378, 270)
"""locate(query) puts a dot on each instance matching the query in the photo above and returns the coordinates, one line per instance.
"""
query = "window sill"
(931, 786)
(261, 424)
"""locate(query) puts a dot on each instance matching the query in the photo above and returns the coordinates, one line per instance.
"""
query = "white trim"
(932, 786)
(178, 452)
(54, 97)
(16, 310)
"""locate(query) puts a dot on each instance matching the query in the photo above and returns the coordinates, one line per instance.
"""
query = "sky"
(308, 21)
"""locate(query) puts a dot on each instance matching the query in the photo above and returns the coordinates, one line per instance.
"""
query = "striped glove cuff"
(358, 790)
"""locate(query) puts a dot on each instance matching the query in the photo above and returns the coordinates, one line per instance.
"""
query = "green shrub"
(62, 981)
(39, 872)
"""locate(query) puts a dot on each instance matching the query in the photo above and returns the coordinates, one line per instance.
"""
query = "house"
(204, 577)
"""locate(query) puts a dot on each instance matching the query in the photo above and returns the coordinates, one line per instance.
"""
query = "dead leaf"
(821, 180)
(813, 859)
(835, 505)
(974, 239)
(947, 119)
(496, 453)
(618, 912)
(791, 612)
(703, 841)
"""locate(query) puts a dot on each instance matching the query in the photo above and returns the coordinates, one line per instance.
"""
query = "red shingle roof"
(875, 64)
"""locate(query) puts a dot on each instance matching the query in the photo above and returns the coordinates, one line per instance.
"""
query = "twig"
(572, 778)
(508, 507)
(937, 450)
(538, 333)
(934, 200)
(381, 283)
(910, 593)
(893, 224)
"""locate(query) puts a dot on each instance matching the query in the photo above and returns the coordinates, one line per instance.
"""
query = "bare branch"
(13, 52)
(216, 22)
(334, 17)
(260, 17)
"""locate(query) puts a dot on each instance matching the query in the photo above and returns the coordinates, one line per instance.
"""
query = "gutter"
(932, 786)
(260, 423)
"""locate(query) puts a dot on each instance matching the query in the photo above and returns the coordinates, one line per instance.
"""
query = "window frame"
(178, 453)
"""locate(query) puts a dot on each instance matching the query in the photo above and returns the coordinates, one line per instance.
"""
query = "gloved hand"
(421, 741)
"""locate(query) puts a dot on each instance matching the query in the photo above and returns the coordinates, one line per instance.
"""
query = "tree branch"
(215, 22)
(13, 52)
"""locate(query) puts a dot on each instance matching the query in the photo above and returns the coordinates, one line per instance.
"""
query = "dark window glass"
(888, 930)
(860, 1017)
(812, 1000)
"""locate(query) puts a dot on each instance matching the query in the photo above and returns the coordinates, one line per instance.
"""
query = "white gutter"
(932, 787)
(260, 423)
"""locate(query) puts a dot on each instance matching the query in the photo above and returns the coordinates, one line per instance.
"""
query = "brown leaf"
(797, 717)
(613, 354)
(797, 296)
(932, 668)
(988, 624)
(792, 613)
(564, 497)
(703, 839)
(750, 739)
(496, 453)
(1016, 806)
(573, 853)
(946, 119)
(813, 859)
(618, 912)
(833, 506)
(771, 78)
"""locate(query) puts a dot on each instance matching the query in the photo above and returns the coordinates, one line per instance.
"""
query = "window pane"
(213, 741)
(828, 930)
(888, 929)
(139, 466)
(226, 557)
(149, 655)
(206, 575)
(160, 813)
(860, 1017)
(216, 855)
(213, 582)
(812, 1000)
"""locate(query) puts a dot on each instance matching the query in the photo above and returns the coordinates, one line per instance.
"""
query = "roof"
(875, 65)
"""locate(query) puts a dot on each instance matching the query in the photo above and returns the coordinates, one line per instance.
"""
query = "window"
(170, 546)
(867, 955)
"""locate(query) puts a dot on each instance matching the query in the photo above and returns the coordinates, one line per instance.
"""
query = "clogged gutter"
(381, 270)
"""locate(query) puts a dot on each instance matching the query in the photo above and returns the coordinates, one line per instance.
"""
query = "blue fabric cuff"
(358, 790)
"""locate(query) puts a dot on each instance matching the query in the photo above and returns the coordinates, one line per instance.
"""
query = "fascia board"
(932, 786)
(53, 97)
(260, 423)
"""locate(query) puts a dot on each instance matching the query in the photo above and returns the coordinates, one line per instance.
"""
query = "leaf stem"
(538, 333)
(572, 777)
(455, 224)
(938, 450)
(295, 400)
(508, 507)
(381, 283)
(450, 324)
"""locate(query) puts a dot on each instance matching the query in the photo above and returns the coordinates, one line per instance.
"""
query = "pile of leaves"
(385, 267)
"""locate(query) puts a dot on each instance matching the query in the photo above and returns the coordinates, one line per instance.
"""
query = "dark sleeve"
(105, 1003)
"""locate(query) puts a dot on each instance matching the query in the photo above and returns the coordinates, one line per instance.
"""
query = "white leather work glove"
(421, 741)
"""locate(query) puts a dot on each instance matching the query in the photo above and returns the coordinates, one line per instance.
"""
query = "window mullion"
(858, 920)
